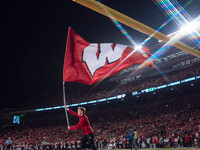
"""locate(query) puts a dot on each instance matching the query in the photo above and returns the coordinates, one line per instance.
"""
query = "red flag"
(90, 62)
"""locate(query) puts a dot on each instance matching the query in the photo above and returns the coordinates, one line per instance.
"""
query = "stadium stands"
(167, 118)
(174, 117)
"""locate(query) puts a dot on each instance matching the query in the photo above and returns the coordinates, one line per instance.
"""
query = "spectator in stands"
(161, 142)
(1, 144)
(172, 141)
(148, 141)
(131, 138)
(8, 144)
(154, 141)
(187, 140)
(135, 141)
(198, 140)
(179, 142)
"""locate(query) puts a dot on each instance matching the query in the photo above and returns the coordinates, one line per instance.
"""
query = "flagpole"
(65, 104)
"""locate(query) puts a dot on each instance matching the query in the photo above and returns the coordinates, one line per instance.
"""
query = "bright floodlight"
(137, 47)
(189, 28)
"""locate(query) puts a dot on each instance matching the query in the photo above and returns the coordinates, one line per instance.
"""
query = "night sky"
(34, 34)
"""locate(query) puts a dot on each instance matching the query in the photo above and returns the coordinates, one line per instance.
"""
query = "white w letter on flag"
(88, 63)
(96, 58)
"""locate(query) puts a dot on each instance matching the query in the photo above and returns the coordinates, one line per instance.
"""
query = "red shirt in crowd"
(83, 123)
(153, 140)
(187, 139)
(172, 139)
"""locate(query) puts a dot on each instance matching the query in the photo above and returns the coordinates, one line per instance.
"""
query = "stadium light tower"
(189, 28)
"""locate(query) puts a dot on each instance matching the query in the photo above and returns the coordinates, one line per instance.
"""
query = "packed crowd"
(87, 93)
(129, 87)
(161, 121)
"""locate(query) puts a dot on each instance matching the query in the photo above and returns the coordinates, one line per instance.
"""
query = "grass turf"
(165, 149)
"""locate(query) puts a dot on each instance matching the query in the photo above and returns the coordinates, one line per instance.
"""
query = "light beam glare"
(173, 15)
(180, 19)
(161, 51)
(124, 32)
(178, 36)
(119, 26)
(165, 23)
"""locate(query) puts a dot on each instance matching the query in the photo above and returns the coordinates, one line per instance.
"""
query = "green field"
(166, 149)
(174, 149)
